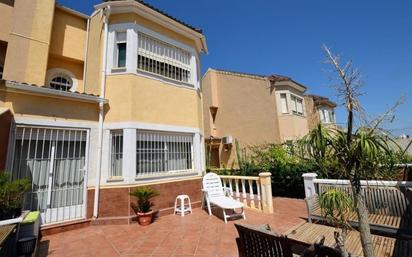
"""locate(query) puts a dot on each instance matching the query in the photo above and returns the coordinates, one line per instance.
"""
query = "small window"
(297, 105)
(116, 154)
(283, 103)
(61, 83)
(121, 38)
(1, 71)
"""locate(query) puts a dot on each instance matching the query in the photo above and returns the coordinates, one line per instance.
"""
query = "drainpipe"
(106, 14)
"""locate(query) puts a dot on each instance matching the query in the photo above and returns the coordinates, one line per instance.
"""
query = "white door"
(54, 159)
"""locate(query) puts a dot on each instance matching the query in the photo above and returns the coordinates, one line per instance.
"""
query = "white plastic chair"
(214, 194)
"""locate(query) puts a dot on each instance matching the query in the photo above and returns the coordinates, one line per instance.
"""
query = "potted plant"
(144, 205)
(11, 196)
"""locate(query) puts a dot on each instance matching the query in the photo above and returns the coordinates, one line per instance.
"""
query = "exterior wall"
(5, 123)
(115, 203)
(312, 113)
(6, 19)
(94, 54)
(68, 36)
(135, 98)
(29, 41)
(246, 110)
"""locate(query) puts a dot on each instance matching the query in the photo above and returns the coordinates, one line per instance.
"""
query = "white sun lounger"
(214, 194)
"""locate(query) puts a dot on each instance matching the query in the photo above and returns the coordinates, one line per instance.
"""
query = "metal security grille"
(116, 153)
(158, 153)
(54, 161)
(163, 59)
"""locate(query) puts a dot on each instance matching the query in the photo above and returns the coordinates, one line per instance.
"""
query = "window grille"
(61, 82)
(283, 103)
(116, 153)
(159, 153)
(121, 45)
(163, 59)
(54, 161)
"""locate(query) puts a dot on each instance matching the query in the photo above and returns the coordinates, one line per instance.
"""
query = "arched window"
(61, 82)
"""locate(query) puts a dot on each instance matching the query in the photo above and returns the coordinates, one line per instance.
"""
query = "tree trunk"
(340, 240)
(364, 228)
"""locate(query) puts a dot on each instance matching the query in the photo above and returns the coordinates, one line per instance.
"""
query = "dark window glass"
(121, 55)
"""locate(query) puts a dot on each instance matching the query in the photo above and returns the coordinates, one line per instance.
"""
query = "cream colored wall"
(94, 53)
(135, 98)
(29, 41)
(292, 127)
(312, 113)
(74, 67)
(41, 107)
(68, 35)
(6, 19)
(246, 110)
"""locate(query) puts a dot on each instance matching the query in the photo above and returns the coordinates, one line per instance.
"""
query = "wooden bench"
(255, 242)
(384, 246)
(389, 211)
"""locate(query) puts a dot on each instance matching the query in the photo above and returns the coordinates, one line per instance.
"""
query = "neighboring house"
(253, 109)
(100, 104)
(320, 110)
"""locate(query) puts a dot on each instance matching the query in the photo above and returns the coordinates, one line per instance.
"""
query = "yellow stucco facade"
(246, 108)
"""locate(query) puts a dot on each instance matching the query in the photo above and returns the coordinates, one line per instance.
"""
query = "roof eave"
(42, 91)
(160, 18)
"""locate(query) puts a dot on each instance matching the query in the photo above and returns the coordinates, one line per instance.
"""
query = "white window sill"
(119, 69)
(115, 179)
(165, 175)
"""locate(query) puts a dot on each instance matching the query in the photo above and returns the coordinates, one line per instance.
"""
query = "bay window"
(161, 152)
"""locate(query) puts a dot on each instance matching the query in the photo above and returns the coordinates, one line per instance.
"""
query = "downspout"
(86, 51)
(106, 14)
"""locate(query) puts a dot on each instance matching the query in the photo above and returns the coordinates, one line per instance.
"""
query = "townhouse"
(256, 109)
(93, 106)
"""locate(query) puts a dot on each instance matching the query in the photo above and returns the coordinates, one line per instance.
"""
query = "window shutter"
(283, 103)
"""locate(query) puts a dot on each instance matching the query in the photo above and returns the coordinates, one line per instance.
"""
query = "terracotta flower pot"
(145, 219)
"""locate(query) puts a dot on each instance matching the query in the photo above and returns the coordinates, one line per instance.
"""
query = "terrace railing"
(254, 191)
(382, 197)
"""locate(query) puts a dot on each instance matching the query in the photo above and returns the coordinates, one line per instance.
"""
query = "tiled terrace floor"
(197, 235)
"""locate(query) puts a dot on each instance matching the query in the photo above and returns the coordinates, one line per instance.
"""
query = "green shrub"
(11, 195)
(144, 196)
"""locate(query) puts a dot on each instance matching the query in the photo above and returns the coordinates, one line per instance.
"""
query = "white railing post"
(309, 183)
(266, 185)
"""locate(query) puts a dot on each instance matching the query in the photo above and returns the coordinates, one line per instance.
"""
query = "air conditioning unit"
(228, 140)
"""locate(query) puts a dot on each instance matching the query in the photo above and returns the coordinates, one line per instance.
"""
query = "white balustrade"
(254, 191)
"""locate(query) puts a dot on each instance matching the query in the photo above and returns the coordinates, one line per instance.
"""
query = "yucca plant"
(336, 206)
(144, 196)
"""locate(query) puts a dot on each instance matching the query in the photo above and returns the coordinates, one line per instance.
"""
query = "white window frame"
(116, 134)
(284, 108)
(132, 54)
(60, 72)
(294, 99)
(116, 55)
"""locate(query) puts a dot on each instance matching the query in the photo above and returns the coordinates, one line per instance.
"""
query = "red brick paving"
(195, 235)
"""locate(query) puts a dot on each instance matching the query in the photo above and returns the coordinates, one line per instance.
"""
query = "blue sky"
(285, 37)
